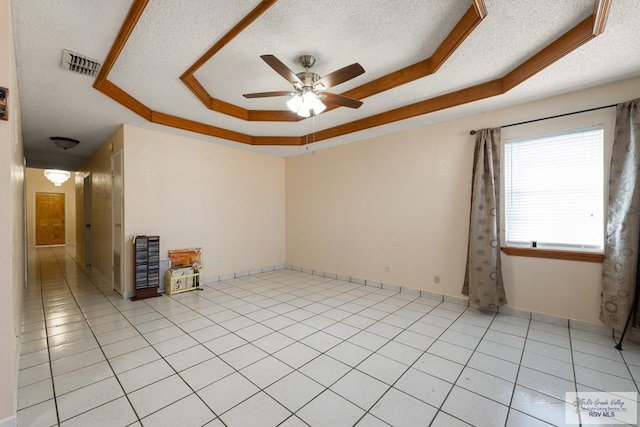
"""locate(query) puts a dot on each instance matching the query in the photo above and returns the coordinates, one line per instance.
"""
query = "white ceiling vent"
(80, 64)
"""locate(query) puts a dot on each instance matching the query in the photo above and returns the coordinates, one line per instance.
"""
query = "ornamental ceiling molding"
(580, 34)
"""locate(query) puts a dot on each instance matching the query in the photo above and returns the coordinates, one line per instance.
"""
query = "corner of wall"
(12, 237)
(99, 166)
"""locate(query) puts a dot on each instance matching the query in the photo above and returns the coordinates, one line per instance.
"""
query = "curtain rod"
(473, 132)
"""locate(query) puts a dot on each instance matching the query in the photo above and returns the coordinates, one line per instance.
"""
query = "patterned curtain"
(623, 220)
(483, 278)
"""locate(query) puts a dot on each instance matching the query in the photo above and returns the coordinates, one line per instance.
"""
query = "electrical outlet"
(220, 261)
(436, 279)
(387, 268)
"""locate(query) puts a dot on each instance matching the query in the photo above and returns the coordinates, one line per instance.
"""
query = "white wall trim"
(9, 422)
(464, 301)
(244, 273)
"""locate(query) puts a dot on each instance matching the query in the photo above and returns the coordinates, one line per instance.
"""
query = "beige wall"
(37, 183)
(402, 200)
(11, 224)
(99, 167)
(192, 193)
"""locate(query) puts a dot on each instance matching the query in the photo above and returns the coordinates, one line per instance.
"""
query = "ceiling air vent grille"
(80, 64)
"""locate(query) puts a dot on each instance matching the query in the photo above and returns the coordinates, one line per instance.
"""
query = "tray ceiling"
(182, 66)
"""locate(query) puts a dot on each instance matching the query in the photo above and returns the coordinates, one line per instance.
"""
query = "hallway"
(289, 348)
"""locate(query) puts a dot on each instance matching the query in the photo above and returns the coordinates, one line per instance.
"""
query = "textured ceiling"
(172, 34)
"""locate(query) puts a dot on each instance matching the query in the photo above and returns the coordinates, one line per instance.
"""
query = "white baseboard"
(9, 422)
(462, 300)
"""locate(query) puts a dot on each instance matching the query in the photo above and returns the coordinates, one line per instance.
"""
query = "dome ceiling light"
(63, 142)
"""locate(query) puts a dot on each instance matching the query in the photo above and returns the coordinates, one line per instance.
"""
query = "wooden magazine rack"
(185, 272)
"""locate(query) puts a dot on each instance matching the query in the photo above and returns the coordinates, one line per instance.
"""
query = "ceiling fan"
(308, 93)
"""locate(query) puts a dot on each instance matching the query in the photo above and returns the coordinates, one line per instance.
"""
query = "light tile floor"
(292, 349)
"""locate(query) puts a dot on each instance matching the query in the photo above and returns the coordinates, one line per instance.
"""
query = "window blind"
(554, 190)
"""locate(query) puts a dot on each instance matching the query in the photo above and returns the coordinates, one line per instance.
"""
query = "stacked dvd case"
(146, 251)
(153, 263)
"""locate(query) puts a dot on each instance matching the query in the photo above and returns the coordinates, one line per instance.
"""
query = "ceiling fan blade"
(340, 76)
(281, 69)
(268, 94)
(345, 101)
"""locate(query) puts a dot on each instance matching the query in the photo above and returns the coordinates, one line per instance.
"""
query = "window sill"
(554, 254)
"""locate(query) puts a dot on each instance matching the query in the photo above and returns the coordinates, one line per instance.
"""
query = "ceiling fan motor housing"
(307, 78)
(307, 61)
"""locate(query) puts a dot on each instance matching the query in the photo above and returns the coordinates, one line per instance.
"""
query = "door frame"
(25, 230)
(117, 158)
(87, 217)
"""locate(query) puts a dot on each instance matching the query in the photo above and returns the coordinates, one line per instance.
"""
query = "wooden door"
(50, 219)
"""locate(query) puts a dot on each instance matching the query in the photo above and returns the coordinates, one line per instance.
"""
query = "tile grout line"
(352, 368)
(388, 340)
(515, 380)
(215, 355)
(260, 322)
(439, 409)
(299, 300)
(263, 389)
(98, 289)
(99, 345)
(575, 377)
(161, 356)
(53, 387)
(410, 366)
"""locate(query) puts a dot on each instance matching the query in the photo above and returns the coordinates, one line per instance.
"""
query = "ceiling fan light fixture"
(304, 111)
(58, 177)
(303, 104)
(317, 105)
(294, 103)
(312, 102)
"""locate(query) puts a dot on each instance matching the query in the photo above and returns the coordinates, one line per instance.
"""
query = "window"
(554, 191)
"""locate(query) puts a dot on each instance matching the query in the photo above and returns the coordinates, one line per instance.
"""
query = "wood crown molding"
(237, 29)
(130, 22)
(600, 15)
(571, 40)
(554, 254)
(421, 69)
(123, 98)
